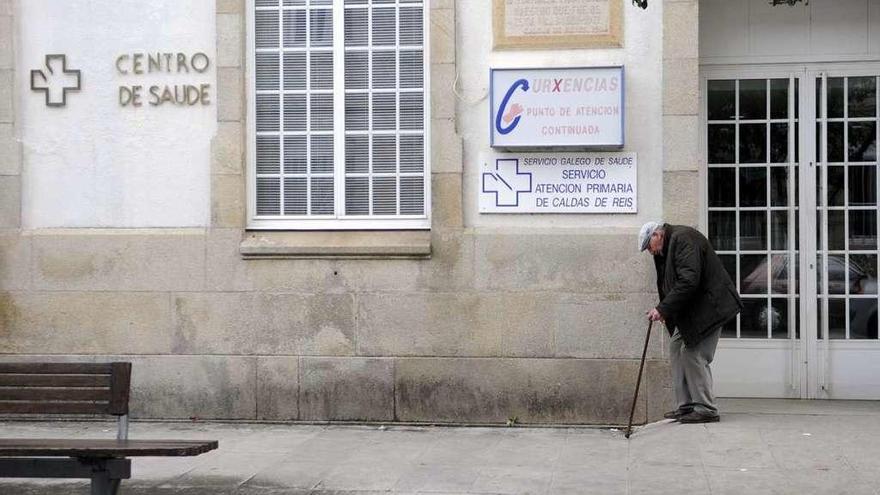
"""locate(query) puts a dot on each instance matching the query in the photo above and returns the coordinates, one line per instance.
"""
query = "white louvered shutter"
(381, 171)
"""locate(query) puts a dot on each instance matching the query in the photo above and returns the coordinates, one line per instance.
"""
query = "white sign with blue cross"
(558, 183)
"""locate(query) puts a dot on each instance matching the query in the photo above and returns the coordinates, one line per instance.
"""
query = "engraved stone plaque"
(523, 24)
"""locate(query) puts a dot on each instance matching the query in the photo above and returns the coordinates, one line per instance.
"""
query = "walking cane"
(638, 381)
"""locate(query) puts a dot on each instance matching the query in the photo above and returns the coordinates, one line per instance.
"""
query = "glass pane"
(356, 31)
(267, 71)
(411, 26)
(779, 318)
(295, 195)
(384, 154)
(412, 196)
(778, 143)
(321, 112)
(268, 196)
(862, 141)
(862, 94)
(321, 64)
(266, 29)
(295, 70)
(322, 154)
(753, 230)
(722, 230)
(836, 236)
(295, 112)
(863, 318)
(412, 111)
(384, 69)
(268, 154)
(412, 151)
(294, 28)
(721, 100)
(837, 318)
(295, 155)
(321, 28)
(753, 143)
(754, 319)
(268, 113)
(384, 196)
(778, 98)
(835, 186)
(779, 186)
(753, 186)
(722, 188)
(384, 111)
(356, 112)
(863, 274)
(835, 97)
(720, 144)
(779, 273)
(754, 273)
(411, 73)
(356, 72)
(384, 26)
(357, 159)
(862, 185)
(836, 274)
(357, 194)
(752, 99)
(778, 230)
(863, 229)
(835, 142)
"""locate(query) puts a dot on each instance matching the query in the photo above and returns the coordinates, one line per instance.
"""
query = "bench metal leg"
(102, 483)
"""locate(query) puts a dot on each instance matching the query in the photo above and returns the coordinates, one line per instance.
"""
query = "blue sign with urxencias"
(562, 108)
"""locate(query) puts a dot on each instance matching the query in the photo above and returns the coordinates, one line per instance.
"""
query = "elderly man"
(696, 298)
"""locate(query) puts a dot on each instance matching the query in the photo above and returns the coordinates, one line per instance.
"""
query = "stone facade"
(545, 326)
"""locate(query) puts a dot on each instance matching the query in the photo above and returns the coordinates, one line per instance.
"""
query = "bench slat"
(54, 380)
(57, 368)
(53, 407)
(103, 448)
(41, 394)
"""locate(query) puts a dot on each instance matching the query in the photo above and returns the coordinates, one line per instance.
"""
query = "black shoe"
(676, 413)
(695, 417)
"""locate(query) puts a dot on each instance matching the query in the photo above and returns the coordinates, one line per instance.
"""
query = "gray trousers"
(691, 375)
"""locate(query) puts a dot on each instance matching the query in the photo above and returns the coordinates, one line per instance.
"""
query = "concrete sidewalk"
(759, 447)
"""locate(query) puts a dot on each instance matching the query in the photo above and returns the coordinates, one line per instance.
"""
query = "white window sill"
(353, 244)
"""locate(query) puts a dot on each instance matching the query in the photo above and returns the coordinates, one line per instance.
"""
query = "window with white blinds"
(339, 106)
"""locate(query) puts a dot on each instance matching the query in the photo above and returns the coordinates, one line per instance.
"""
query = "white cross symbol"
(58, 81)
(507, 182)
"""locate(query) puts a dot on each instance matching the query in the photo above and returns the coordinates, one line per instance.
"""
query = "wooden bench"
(77, 388)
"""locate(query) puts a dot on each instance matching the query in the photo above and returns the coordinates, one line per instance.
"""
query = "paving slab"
(759, 447)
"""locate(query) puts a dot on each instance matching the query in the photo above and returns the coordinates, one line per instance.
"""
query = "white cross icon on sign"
(507, 182)
(57, 82)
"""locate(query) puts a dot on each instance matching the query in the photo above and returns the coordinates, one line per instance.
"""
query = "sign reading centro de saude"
(558, 183)
(560, 107)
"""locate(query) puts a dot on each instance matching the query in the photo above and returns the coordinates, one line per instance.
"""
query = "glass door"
(792, 211)
(752, 174)
(846, 234)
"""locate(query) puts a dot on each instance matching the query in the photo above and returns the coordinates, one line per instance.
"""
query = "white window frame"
(356, 222)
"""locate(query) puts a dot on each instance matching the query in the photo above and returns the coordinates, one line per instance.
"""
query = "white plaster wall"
(753, 31)
(94, 163)
(641, 57)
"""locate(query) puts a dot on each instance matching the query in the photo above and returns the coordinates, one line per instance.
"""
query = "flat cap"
(645, 233)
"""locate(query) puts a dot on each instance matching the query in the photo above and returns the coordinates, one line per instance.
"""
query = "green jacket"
(696, 293)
